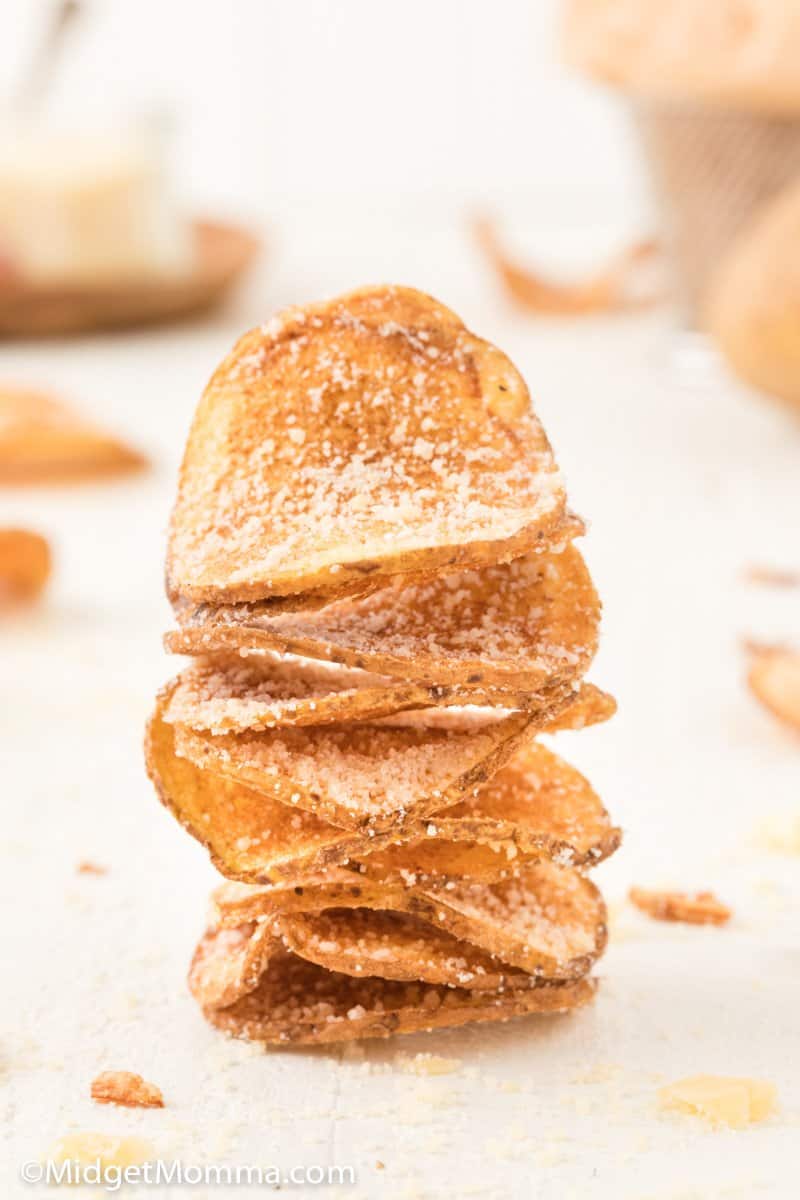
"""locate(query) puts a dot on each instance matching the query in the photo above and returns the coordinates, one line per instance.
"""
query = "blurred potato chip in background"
(42, 440)
(25, 564)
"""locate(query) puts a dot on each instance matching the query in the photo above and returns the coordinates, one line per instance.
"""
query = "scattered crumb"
(780, 833)
(722, 1100)
(379, 1166)
(427, 1064)
(598, 1073)
(86, 867)
(694, 908)
(110, 1151)
(772, 576)
(127, 1089)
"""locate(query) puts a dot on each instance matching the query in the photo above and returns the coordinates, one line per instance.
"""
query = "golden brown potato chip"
(25, 565)
(368, 942)
(189, 612)
(228, 693)
(774, 677)
(530, 623)
(359, 776)
(44, 441)
(618, 285)
(296, 1001)
(323, 450)
(536, 806)
(548, 921)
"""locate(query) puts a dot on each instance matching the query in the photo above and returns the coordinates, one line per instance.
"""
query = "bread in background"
(754, 300)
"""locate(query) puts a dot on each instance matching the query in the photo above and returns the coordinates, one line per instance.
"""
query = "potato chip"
(359, 776)
(548, 926)
(369, 435)
(537, 806)
(529, 623)
(366, 942)
(548, 920)
(298, 1002)
(25, 565)
(230, 693)
(621, 284)
(43, 441)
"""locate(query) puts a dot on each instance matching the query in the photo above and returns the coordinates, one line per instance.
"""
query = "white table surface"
(684, 488)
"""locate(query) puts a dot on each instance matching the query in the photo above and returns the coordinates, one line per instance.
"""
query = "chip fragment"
(774, 678)
(127, 1089)
(723, 1100)
(694, 908)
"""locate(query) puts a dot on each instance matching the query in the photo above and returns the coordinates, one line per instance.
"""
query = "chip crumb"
(780, 833)
(127, 1089)
(508, 1085)
(427, 1064)
(379, 1166)
(772, 576)
(86, 867)
(693, 908)
(723, 1100)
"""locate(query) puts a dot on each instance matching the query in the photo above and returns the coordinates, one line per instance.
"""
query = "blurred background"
(280, 108)
(324, 145)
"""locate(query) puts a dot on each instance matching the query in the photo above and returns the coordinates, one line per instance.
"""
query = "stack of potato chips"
(371, 562)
